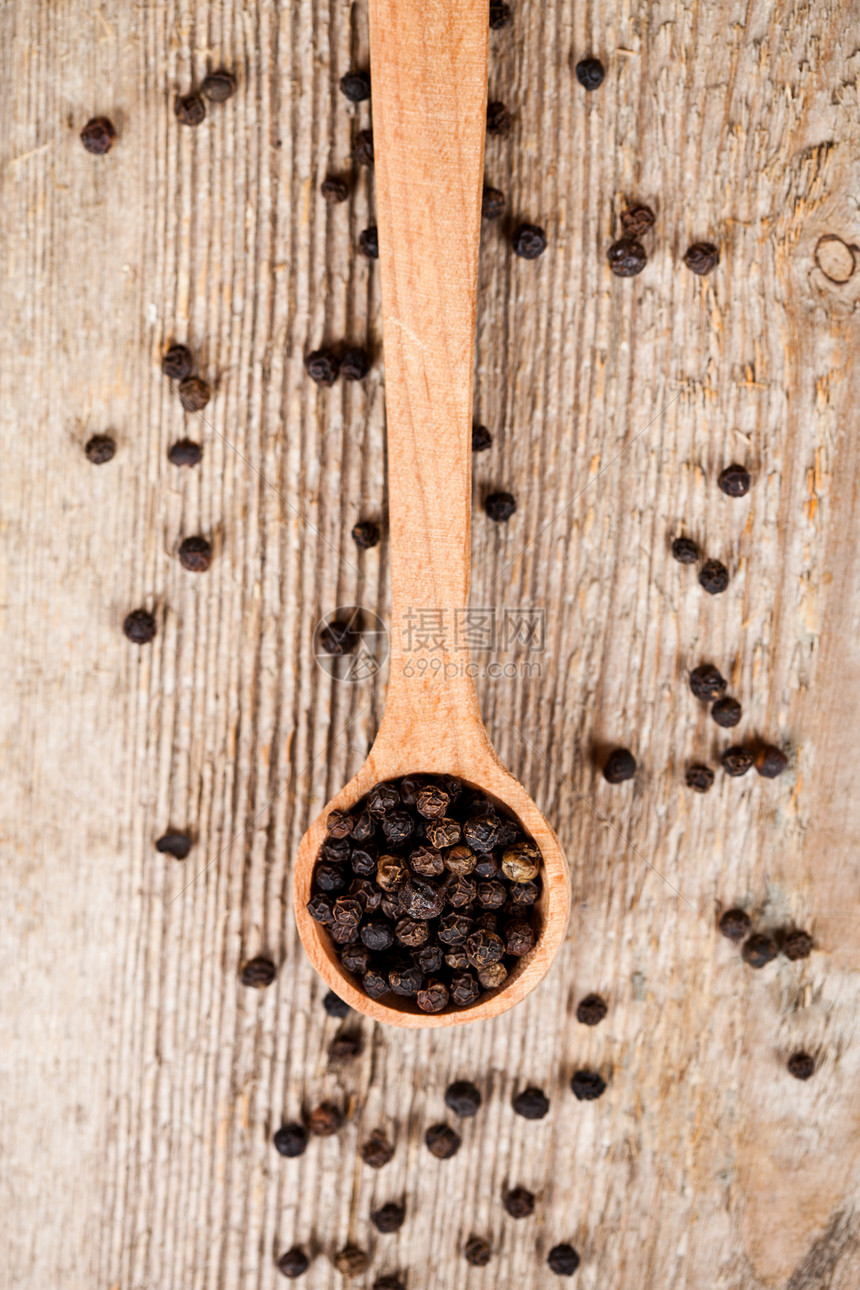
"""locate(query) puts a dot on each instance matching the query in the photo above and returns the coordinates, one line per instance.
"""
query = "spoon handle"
(429, 77)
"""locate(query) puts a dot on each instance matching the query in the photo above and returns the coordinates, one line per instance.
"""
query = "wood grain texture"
(141, 1083)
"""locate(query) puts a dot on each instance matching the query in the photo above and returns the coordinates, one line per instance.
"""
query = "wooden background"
(141, 1082)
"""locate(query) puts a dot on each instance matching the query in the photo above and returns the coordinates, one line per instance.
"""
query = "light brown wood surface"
(140, 1082)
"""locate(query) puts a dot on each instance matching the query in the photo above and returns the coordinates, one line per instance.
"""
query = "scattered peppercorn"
(291, 1140)
(734, 925)
(563, 1260)
(365, 534)
(195, 554)
(499, 120)
(344, 1049)
(500, 15)
(388, 1218)
(463, 1098)
(636, 220)
(587, 1086)
(702, 257)
(334, 190)
(531, 1104)
(590, 73)
(500, 507)
(189, 109)
(355, 364)
(477, 1252)
(368, 242)
(177, 363)
(759, 950)
(529, 241)
(714, 577)
(294, 1263)
(325, 1120)
(591, 1010)
(492, 203)
(139, 627)
(351, 1261)
(801, 1066)
(770, 762)
(377, 1151)
(734, 481)
(362, 148)
(194, 394)
(726, 712)
(737, 761)
(177, 845)
(797, 945)
(442, 1142)
(356, 86)
(626, 257)
(685, 550)
(98, 135)
(258, 973)
(322, 366)
(620, 765)
(699, 778)
(185, 452)
(706, 682)
(519, 1202)
(100, 449)
(219, 86)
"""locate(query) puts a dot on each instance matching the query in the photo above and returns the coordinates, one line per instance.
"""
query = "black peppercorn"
(734, 924)
(194, 394)
(330, 877)
(500, 507)
(491, 895)
(291, 1140)
(481, 832)
(590, 73)
(519, 937)
(177, 363)
(356, 86)
(492, 203)
(524, 893)
(363, 827)
(320, 908)
(362, 148)
(626, 257)
(591, 1010)
(365, 534)
(714, 577)
(801, 1066)
(531, 1104)
(334, 190)
(483, 948)
(411, 932)
(770, 762)
(737, 761)
(100, 449)
(734, 481)
(699, 778)
(702, 257)
(563, 1260)
(377, 935)
(499, 120)
(477, 1252)
(219, 86)
(189, 109)
(377, 1151)
(174, 844)
(344, 1049)
(325, 1120)
(374, 984)
(759, 950)
(351, 1261)
(481, 439)
(706, 682)
(388, 1218)
(382, 798)
(587, 1086)
(195, 554)
(139, 626)
(421, 900)
(442, 833)
(322, 366)
(356, 958)
(463, 1098)
(355, 364)
(529, 241)
(500, 15)
(185, 452)
(368, 242)
(459, 890)
(797, 945)
(335, 1006)
(442, 1142)
(258, 973)
(294, 1263)
(464, 989)
(636, 220)
(432, 802)
(389, 1283)
(726, 712)
(620, 765)
(98, 135)
(428, 958)
(433, 997)
(406, 979)
(519, 1202)
(684, 550)
(427, 861)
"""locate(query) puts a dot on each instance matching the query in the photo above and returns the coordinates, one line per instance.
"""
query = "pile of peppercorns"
(627, 256)
(427, 888)
(708, 684)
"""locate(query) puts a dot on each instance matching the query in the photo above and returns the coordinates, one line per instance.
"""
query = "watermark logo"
(351, 644)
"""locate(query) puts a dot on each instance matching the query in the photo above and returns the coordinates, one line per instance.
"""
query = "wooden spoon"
(429, 75)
